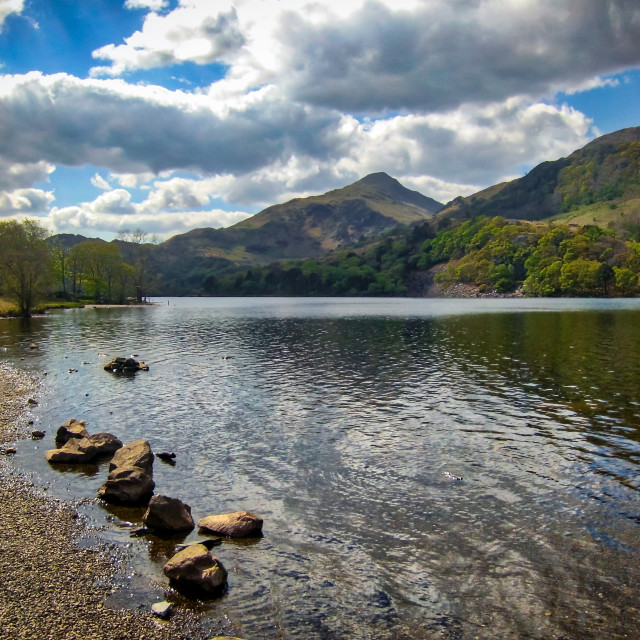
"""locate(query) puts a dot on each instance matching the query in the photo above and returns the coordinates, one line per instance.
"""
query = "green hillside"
(599, 183)
(300, 228)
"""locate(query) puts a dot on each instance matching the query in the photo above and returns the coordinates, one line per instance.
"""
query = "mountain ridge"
(605, 170)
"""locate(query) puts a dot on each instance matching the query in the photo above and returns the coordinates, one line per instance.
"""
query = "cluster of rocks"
(74, 445)
(193, 571)
(125, 365)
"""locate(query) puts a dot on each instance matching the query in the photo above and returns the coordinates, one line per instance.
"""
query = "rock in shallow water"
(84, 450)
(125, 365)
(162, 609)
(75, 451)
(130, 479)
(72, 428)
(168, 515)
(240, 524)
(194, 572)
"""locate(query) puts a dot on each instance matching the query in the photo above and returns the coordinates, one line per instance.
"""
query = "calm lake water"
(338, 420)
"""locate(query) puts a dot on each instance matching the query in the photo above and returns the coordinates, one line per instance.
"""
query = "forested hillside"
(489, 254)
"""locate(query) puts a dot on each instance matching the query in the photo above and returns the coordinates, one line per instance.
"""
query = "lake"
(344, 424)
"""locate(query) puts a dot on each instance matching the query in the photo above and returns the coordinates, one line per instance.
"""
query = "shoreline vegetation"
(52, 588)
(9, 309)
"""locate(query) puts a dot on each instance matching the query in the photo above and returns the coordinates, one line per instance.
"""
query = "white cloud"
(134, 180)
(372, 56)
(260, 150)
(98, 181)
(7, 7)
(18, 175)
(192, 32)
(79, 219)
(21, 202)
(166, 210)
(152, 5)
(136, 129)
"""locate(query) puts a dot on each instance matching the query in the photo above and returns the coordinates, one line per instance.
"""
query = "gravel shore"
(49, 587)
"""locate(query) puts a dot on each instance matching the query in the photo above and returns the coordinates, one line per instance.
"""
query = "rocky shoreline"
(49, 586)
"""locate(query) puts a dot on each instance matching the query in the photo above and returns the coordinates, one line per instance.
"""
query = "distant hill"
(596, 184)
(68, 240)
(300, 228)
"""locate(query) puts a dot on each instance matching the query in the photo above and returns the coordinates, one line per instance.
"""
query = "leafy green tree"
(626, 280)
(580, 277)
(26, 267)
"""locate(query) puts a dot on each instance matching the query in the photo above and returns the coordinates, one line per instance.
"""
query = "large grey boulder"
(168, 515)
(240, 524)
(130, 479)
(72, 428)
(194, 572)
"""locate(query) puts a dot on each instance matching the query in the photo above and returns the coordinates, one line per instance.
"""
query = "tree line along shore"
(484, 256)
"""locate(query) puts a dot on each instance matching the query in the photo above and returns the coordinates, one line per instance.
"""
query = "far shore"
(52, 588)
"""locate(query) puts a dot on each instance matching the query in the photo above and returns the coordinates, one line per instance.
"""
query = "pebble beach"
(50, 587)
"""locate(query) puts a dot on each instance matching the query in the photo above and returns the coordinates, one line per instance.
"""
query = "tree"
(137, 251)
(60, 253)
(580, 277)
(626, 280)
(26, 269)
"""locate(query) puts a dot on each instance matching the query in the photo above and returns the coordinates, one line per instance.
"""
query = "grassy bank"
(9, 309)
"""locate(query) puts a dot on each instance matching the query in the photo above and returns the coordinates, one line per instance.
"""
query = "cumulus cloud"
(191, 33)
(262, 149)
(18, 175)
(98, 181)
(165, 210)
(153, 5)
(371, 56)
(25, 202)
(84, 220)
(446, 54)
(135, 180)
(8, 7)
(133, 129)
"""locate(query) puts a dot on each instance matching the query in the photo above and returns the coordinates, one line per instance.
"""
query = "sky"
(168, 115)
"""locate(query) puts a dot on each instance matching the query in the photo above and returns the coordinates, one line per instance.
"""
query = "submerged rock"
(168, 515)
(240, 524)
(167, 457)
(194, 572)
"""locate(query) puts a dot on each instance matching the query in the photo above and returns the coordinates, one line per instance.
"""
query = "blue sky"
(171, 115)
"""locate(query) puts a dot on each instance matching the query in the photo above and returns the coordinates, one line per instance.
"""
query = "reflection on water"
(341, 424)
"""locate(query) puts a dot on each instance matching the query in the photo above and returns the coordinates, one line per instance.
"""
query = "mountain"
(595, 184)
(300, 228)
(68, 240)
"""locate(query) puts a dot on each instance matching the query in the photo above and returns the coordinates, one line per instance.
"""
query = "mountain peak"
(393, 189)
(379, 179)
